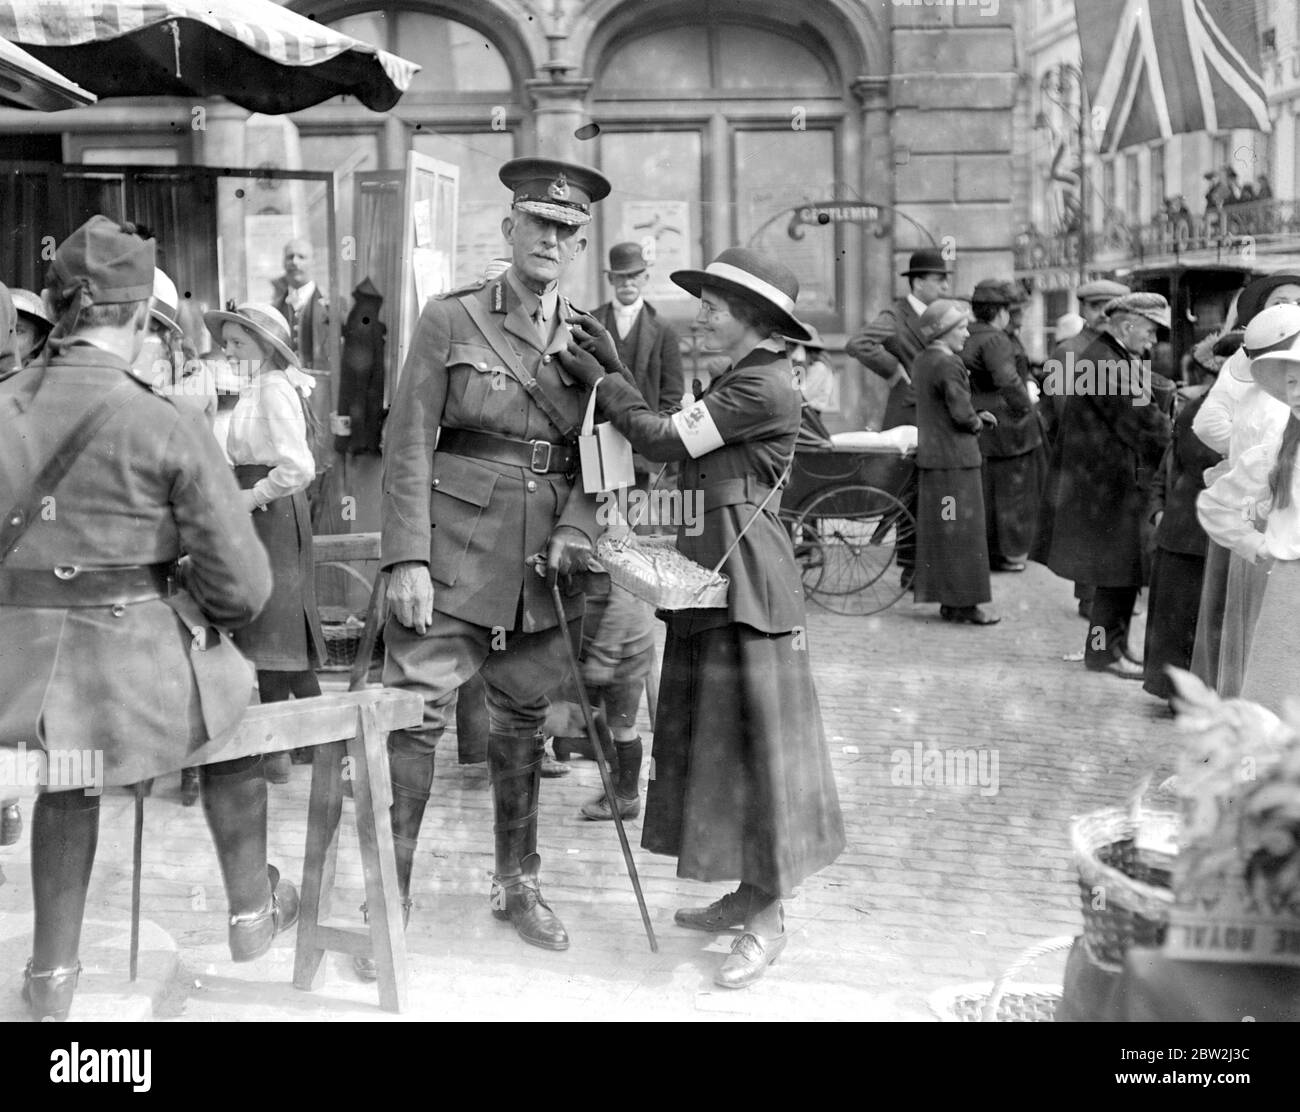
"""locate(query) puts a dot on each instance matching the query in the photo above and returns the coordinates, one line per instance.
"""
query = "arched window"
(453, 58)
(712, 134)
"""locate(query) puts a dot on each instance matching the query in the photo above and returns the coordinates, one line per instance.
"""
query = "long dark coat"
(1107, 450)
(152, 484)
(891, 341)
(741, 787)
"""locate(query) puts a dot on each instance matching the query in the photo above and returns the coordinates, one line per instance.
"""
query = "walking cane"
(137, 853)
(598, 750)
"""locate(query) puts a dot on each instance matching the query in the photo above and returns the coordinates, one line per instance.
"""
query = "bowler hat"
(561, 192)
(626, 258)
(262, 319)
(757, 277)
(927, 260)
(108, 260)
(1253, 295)
(989, 291)
(941, 317)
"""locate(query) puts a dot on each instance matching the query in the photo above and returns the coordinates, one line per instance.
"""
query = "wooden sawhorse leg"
(372, 789)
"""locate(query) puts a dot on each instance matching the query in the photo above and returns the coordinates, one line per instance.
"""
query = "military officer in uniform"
(482, 383)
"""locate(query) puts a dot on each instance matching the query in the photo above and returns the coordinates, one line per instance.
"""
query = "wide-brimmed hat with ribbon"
(166, 305)
(260, 318)
(1272, 345)
(1250, 302)
(31, 305)
(757, 278)
(814, 341)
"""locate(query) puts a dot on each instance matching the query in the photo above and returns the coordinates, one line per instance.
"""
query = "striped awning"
(255, 52)
(26, 82)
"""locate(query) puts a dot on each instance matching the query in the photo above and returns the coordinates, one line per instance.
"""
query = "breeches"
(519, 670)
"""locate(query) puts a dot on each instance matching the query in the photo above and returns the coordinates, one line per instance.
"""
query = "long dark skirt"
(1013, 488)
(1209, 616)
(740, 777)
(952, 551)
(1173, 601)
(286, 636)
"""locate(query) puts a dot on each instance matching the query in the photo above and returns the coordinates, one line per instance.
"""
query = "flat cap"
(1103, 289)
(1150, 305)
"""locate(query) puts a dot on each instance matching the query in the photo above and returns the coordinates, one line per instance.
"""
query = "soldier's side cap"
(941, 317)
(561, 192)
(31, 305)
(262, 319)
(1153, 306)
(752, 275)
(1102, 289)
(989, 291)
(108, 259)
(626, 258)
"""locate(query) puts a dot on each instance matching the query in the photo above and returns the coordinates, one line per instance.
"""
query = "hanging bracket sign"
(832, 212)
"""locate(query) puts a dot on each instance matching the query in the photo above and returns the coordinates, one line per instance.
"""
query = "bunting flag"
(1155, 68)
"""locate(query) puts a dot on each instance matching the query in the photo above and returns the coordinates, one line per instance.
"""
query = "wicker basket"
(1007, 1000)
(342, 630)
(1125, 864)
(641, 565)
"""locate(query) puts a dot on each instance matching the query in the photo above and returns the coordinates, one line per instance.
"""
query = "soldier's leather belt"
(539, 456)
(737, 492)
(67, 585)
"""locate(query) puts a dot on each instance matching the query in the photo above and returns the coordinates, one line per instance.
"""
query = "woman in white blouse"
(267, 443)
(1236, 416)
(1254, 510)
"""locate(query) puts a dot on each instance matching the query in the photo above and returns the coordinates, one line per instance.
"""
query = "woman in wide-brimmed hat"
(32, 327)
(1236, 415)
(1254, 510)
(742, 786)
(267, 443)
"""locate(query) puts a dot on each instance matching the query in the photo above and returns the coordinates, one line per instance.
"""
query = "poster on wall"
(663, 228)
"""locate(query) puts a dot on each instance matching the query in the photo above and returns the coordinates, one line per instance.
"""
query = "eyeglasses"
(712, 312)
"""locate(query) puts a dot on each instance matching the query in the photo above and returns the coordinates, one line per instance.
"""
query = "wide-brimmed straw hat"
(262, 319)
(1270, 371)
(31, 305)
(758, 278)
(1250, 301)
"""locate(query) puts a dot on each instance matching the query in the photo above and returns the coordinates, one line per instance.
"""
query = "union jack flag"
(1155, 68)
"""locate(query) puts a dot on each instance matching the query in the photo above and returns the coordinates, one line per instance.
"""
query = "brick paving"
(941, 883)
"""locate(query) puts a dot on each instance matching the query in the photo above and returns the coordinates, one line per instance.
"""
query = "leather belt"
(738, 492)
(539, 456)
(69, 586)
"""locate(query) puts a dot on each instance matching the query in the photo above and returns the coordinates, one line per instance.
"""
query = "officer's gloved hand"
(410, 595)
(594, 337)
(580, 365)
(569, 553)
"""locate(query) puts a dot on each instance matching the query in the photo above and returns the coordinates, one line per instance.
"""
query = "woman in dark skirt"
(268, 446)
(952, 554)
(1178, 565)
(741, 785)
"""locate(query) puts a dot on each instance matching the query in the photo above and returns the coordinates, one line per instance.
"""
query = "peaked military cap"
(561, 192)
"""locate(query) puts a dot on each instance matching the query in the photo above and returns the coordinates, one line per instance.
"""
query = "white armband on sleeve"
(696, 428)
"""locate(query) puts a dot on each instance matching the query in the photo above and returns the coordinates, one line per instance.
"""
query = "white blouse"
(1235, 506)
(1238, 415)
(267, 426)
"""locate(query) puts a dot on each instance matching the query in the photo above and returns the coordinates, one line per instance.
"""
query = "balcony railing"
(1231, 228)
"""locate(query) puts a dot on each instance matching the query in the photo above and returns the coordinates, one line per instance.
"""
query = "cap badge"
(559, 189)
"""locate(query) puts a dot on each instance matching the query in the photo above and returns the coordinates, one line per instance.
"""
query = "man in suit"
(890, 344)
(460, 522)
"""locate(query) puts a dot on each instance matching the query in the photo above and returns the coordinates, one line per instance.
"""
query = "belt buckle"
(546, 465)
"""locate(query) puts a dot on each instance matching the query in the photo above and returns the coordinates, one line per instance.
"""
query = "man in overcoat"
(889, 346)
(482, 383)
(1112, 437)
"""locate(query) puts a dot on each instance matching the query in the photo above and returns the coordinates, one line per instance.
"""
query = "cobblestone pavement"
(942, 882)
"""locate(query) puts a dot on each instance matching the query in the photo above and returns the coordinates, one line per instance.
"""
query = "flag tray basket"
(652, 569)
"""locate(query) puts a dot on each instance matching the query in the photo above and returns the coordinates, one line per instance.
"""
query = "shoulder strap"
(493, 335)
(24, 512)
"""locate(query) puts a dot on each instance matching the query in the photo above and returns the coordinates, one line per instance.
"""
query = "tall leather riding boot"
(65, 834)
(261, 904)
(515, 768)
(411, 771)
